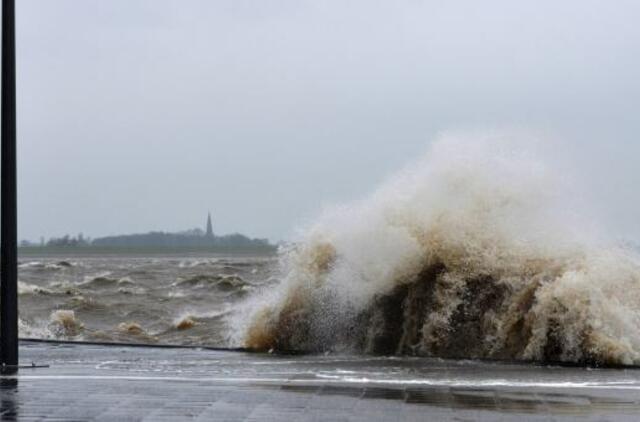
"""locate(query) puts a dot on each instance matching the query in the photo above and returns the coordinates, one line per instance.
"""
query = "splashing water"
(476, 251)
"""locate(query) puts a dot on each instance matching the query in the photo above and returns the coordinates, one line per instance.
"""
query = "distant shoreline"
(144, 250)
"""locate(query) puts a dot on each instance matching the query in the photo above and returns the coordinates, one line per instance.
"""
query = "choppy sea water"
(184, 300)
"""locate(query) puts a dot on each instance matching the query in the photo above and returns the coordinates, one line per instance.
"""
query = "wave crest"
(476, 251)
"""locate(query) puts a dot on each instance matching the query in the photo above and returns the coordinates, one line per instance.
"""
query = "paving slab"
(118, 383)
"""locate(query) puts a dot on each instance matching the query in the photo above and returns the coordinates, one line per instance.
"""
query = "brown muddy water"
(186, 300)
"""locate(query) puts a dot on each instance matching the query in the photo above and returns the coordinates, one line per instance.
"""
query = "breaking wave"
(476, 251)
(65, 324)
(31, 289)
(103, 281)
(190, 319)
(223, 282)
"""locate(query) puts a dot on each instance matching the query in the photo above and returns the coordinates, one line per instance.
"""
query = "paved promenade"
(130, 384)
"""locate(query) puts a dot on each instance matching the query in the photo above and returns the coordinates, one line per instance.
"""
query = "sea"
(181, 299)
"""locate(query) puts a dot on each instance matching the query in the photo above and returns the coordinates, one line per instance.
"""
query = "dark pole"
(8, 195)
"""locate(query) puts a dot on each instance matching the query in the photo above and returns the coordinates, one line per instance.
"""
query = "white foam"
(480, 206)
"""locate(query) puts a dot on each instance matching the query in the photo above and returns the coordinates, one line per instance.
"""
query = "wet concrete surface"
(107, 383)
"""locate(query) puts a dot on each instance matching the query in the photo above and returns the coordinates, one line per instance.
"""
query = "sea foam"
(480, 249)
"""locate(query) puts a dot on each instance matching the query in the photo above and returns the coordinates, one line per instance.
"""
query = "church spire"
(209, 226)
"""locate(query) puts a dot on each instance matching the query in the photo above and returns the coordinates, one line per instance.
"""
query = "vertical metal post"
(8, 195)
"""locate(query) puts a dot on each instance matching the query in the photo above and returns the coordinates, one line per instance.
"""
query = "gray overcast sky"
(142, 115)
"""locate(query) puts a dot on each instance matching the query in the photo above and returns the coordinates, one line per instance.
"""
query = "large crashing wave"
(473, 252)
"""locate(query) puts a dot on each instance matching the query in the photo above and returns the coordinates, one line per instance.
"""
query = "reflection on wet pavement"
(123, 383)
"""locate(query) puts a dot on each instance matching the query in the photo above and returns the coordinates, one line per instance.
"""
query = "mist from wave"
(479, 250)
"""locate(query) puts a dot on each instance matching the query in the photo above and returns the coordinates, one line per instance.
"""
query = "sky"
(140, 115)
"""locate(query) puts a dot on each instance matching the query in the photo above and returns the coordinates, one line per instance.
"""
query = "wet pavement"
(108, 383)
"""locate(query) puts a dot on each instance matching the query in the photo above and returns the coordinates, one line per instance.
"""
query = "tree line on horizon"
(190, 238)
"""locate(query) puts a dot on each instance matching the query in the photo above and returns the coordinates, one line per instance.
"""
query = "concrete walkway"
(105, 383)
